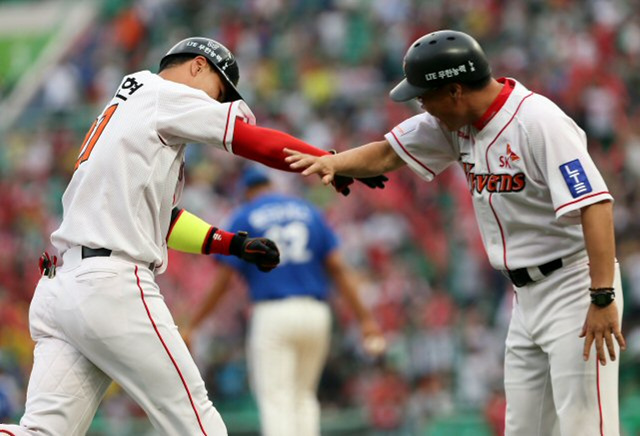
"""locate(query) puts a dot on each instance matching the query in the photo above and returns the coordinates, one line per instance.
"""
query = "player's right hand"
(601, 327)
(261, 251)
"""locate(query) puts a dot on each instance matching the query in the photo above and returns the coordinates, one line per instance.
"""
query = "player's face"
(444, 103)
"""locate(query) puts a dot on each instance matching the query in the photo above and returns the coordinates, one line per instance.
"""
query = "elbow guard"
(190, 234)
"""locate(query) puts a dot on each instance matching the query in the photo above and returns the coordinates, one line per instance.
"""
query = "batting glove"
(374, 182)
(261, 251)
(341, 184)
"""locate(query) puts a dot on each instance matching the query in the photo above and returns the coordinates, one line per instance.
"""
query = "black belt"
(521, 277)
(95, 252)
(102, 252)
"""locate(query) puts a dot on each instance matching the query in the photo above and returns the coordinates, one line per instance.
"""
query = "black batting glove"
(341, 184)
(262, 252)
(374, 182)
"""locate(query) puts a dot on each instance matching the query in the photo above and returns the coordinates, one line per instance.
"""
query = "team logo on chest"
(493, 182)
(508, 158)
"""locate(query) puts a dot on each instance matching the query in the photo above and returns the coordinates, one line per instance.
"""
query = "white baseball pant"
(102, 319)
(288, 346)
(549, 387)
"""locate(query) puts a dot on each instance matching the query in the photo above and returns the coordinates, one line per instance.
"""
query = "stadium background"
(321, 70)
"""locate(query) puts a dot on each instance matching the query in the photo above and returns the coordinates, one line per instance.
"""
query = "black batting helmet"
(439, 58)
(218, 56)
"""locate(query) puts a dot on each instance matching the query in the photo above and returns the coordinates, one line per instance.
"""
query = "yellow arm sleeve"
(188, 233)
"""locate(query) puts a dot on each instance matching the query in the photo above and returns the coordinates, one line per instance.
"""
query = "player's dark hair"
(478, 84)
(175, 60)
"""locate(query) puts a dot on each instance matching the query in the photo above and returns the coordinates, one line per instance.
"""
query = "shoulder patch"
(575, 178)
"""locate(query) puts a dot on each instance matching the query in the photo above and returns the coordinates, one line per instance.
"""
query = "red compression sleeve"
(265, 145)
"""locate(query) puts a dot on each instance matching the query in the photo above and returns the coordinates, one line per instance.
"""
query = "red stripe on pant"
(175, 364)
(599, 399)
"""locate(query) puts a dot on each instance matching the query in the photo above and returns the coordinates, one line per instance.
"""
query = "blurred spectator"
(314, 68)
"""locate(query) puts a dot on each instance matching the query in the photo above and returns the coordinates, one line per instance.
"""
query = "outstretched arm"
(372, 338)
(267, 146)
(365, 161)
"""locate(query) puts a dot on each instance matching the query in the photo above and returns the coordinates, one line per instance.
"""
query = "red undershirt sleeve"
(265, 145)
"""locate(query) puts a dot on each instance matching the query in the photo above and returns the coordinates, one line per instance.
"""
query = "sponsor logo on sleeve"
(575, 178)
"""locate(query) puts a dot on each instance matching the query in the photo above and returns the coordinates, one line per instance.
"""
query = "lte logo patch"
(575, 178)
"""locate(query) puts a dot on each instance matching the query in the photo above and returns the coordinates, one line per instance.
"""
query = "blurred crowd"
(321, 70)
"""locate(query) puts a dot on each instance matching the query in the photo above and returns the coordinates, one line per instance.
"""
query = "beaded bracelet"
(601, 289)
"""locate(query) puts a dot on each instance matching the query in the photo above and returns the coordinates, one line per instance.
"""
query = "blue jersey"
(303, 238)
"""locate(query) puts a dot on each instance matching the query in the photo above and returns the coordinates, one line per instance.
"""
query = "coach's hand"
(261, 251)
(601, 326)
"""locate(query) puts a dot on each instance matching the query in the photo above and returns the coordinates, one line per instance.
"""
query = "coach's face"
(446, 104)
(206, 78)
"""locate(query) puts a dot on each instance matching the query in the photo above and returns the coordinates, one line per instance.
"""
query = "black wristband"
(235, 247)
(209, 240)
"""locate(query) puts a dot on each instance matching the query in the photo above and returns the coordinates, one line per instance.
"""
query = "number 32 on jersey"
(292, 239)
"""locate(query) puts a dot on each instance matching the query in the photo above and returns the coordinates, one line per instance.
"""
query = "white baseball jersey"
(528, 172)
(129, 174)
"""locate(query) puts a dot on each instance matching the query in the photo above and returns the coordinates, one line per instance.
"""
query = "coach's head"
(448, 72)
(205, 64)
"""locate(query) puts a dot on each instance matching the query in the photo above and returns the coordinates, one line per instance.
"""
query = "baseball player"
(290, 326)
(545, 215)
(101, 317)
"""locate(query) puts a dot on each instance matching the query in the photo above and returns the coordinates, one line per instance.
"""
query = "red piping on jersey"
(411, 156)
(583, 198)
(226, 128)
(173, 223)
(7, 432)
(497, 103)
(175, 364)
(599, 398)
(486, 157)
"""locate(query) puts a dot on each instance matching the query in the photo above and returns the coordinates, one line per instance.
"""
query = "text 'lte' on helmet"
(218, 55)
(439, 58)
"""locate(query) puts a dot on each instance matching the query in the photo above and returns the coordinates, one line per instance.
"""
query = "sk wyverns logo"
(508, 158)
(576, 178)
(493, 183)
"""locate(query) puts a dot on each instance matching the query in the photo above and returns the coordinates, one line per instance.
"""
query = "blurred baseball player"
(101, 316)
(545, 215)
(291, 321)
